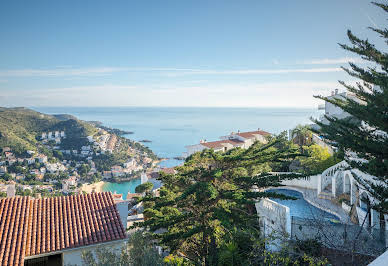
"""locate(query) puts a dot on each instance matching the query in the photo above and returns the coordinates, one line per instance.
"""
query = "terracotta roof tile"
(221, 143)
(36, 226)
(252, 134)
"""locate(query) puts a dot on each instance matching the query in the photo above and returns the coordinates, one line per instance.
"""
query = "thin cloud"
(332, 61)
(59, 72)
(170, 72)
(250, 71)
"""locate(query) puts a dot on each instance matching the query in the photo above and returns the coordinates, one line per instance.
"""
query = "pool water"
(300, 207)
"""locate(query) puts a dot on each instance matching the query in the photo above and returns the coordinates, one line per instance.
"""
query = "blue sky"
(176, 53)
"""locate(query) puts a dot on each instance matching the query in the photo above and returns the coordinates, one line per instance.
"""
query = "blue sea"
(170, 129)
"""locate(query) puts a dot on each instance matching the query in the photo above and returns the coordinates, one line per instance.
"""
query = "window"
(53, 260)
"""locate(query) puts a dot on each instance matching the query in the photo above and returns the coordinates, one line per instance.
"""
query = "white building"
(334, 111)
(11, 190)
(240, 139)
(84, 228)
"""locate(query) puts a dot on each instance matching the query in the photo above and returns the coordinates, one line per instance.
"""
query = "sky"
(177, 53)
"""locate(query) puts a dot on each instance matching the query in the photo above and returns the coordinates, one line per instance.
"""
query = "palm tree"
(302, 135)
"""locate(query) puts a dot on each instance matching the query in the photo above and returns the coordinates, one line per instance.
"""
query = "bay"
(170, 129)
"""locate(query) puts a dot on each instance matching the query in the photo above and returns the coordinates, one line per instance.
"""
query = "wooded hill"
(20, 128)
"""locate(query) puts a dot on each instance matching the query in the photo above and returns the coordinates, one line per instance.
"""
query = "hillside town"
(64, 172)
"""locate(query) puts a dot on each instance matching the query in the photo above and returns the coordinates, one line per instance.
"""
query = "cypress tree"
(362, 137)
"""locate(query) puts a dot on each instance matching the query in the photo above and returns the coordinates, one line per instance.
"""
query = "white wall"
(311, 182)
(276, 220)
(73, 256)
(122, 208)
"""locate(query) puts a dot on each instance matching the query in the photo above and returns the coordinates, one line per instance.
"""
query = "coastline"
(96, 187)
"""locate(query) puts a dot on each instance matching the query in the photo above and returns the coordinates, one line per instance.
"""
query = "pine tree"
(209, 203)
(363, 135)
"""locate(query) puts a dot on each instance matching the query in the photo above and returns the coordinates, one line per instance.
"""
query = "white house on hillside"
(240, 139)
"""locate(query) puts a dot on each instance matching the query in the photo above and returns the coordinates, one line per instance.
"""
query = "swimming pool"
(300, 207)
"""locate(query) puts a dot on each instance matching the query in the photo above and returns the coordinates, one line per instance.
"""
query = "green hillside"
(21, 127)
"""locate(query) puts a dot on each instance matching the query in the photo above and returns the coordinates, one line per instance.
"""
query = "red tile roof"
(170, 171)
(221, 143)
(36, 226)
(252, 134)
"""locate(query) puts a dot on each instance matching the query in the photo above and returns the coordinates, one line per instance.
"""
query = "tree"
(318, 159)
(302, 135)
(146, 187)
(210, 201)
(363, 135)
(7, 177)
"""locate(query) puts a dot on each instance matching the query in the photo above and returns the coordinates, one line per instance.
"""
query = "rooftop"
(221, 143)
(252, 134)
(31, 226)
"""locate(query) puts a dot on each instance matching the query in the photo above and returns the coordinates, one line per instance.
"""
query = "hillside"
(21, 127)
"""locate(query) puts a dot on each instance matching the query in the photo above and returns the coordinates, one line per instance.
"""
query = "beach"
(96, 187)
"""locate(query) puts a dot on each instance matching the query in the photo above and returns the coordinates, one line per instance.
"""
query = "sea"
(170, 129)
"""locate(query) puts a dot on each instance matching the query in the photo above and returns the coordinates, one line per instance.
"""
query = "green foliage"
(302, 135)
(318, 159)
(208, 206)
(7, 177)
(364, 133)
(83, 169)
(146, 187)
(311, 247)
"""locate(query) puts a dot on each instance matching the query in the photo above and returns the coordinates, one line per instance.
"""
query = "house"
(3, 170)
(107, 174)
(55, 231)
(334, 111)
(50, 135)
(84, 152)
(8, 154)
(11, 190)
(169, 171)
(57, 134)
(44, 135)
(6, 149)
(117, 197)
(240, 139)
(20, 177)
(42, 158)
(31, 160)
(43, 170)
(30, 152)
(35, 172)
(248, 137)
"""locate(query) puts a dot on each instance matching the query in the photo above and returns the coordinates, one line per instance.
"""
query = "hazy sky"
(176, 53)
